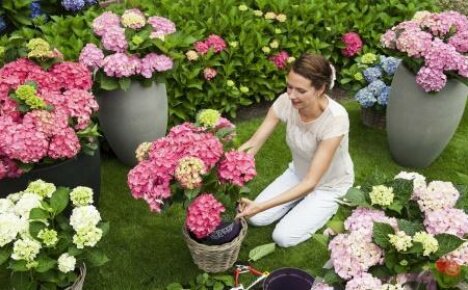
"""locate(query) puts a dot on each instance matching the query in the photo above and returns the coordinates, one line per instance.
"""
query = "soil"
(260, 109)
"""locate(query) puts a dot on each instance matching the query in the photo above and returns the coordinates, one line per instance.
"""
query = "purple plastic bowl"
(288, 278)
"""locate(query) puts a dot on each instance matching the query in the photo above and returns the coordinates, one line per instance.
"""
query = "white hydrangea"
(401, 241)
(381, 195)
(25, 249)
(6, 205)
(14, 197)
(81, 196)
(84, 217)
(41, 188)
(9, 228)
(27, 202)
(87, 237)
(23, 228)
(393, 287)
(66, 263)
(429, 243)
(48, 237)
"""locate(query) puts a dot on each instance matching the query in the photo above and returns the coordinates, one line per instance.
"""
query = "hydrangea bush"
(127, 49)
(404, 234)
(41, 243)
(195, 162)
(433, 45)
(45, 114)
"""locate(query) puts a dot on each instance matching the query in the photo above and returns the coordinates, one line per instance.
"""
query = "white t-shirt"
(303, 139)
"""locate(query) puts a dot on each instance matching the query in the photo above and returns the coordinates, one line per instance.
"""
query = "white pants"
(305, 216)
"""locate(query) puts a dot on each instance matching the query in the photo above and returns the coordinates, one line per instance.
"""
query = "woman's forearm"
(296, 192)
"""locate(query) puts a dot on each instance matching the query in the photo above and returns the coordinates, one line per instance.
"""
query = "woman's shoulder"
(336, 109)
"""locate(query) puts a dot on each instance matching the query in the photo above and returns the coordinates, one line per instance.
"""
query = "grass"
(147, 251)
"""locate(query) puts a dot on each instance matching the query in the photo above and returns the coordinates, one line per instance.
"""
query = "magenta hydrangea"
(449, 221)
(202, 47)
(353, 44)
(280, 59)
(204, 215)
(214, 42)
(237, 168)
(22, 143)
(91, 56)
(65, 144)
(72, 75)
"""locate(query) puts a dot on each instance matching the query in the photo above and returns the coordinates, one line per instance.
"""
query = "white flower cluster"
(48, 237)
(26, 203)
(84, 221)
(81, 196)
(393, 287)
(41, 188)
(429, 243)
(66, 263)
(381, 195)
(401, 241)
(6, 205)
(9, 227)
(26, 249)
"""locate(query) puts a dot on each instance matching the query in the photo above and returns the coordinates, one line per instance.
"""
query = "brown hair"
(316, 68)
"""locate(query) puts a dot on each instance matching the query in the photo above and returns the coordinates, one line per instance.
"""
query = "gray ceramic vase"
(129, 118)
(419, 124)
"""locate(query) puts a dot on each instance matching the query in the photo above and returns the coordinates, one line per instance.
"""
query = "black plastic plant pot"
(224, 233)
(84, 170)
(288, 278)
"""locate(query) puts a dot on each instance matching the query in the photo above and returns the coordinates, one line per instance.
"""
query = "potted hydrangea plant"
(195, 163)
(431, 84)
(46, 117)
(406, 233)
(128, 71)
(48, 235)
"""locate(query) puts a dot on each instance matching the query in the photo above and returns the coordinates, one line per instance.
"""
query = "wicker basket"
(218, 258)
(78, 285)
(373, 118)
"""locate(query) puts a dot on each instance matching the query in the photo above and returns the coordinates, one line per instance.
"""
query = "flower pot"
(131, 117)
(215, 258)
(420, 125)
(288, 278)
(83, 170)
(373, 118)
(224, 233)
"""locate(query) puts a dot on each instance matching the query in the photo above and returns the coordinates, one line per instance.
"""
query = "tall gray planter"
(131, 117)
(420, 125)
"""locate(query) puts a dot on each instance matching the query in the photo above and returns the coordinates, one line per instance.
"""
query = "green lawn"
(147, 251)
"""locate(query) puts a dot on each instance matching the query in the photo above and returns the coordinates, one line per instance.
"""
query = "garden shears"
(240, 269)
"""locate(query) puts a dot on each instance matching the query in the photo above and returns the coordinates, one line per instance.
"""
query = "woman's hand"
(247, 147)
(248, 208)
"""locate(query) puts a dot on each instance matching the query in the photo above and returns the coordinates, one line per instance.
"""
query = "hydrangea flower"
(401, 241)
(35, 8)
(376, 87)
(84, 217)
(389, 64)
(436, 195)
(48, 237)
(9, 227)
(449, 221)
(26, 203)
(133, 18)
(321, 286)
(66, 263)
(41, 188)
(188, 172)
(105, 21)
(209, 73)
(114, 39)
(81, 196)
(91, 56)
(353, 44)
(208, 118)
(365, 281)
(142, 151)
(362, 219)
(280, 59)
(204, 215)
(369, 58)
(429, 243)
(365, 98)
(87, 236)
(161, 26)
(381, 195)
(237, 168)
(372, 74)
(73, 5)
(382, 98)
(25, 249)
(460, 255)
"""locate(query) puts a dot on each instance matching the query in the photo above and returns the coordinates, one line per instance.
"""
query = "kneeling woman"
(305, 196)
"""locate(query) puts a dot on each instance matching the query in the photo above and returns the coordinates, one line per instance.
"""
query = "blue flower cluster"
(3, 24)
(35, 8)
(76, 5)
(377, 92)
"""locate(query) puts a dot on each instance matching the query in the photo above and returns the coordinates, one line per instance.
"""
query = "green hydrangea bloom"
(358, 76)
(42, 188)
(39, 48)
(208, 118)
(27, 93)
(429, 243)
(81, 196)
(381, 195)
(48, 237)
(368, 58)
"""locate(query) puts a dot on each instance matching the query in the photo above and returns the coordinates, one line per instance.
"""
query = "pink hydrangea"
(117, 65)
(441, 56)
(352, 254)
(149, 179)
(161, 26)
(189, 172)
(414, 43)
(431, 79)
(72, 75)
(280, 59)
(353, 44)
(22, 143)
(450, 221)
(237, 168)
(224, 123)
(64, 144)
(49, 123)
(9, 168)
(216, 42)
(388, 39)
(91, 56)
(204, 215)
(114, 39)
(80, 104)
(202, 47)
(321, 286)
(105, 21)
(19, 70)
(162, 63)
(460, 255)
(364, 281)
(460, 41)
(463, 66)
(209, 73)
(436, 195)
(362, 219)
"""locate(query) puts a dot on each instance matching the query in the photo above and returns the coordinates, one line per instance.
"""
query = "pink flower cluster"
(430, 38)
(121, 63)
(362, 219)
(280, 59)
(204, 215)
(209, 73)
(353, 254)
(353, 44)
(460, 255)
(237, 168)
(449, 221)
(214, 42)
(363, 281)
(31, 136)
(436, 195)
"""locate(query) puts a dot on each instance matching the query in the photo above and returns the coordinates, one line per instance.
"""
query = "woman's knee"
(284, 239)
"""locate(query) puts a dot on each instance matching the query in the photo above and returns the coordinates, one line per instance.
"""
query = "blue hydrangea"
(389, 64)
(376, 87)
(35, 8)
(372, 73)
(73, 5)
(3, 24)
(382, 98)
(365, 98)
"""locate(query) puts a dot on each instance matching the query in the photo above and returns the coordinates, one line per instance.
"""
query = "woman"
(321, 170)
